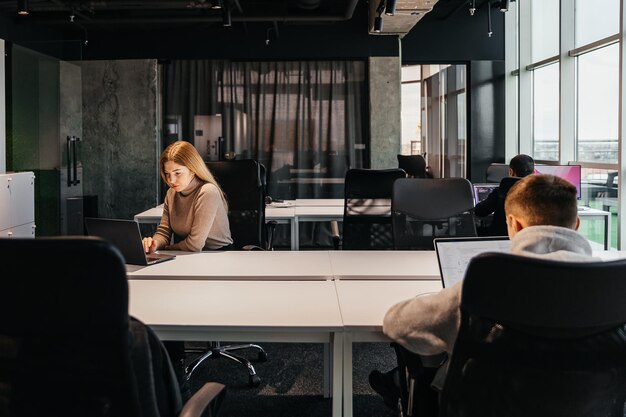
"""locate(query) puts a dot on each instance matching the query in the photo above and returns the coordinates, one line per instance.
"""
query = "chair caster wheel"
(262, 356)
(254, 381)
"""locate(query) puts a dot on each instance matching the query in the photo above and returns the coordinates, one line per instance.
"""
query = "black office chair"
(539, 338)
(366, 221)
(242, 183)
(414, 165)
(67, 344)
(417, 397)
(422, 209)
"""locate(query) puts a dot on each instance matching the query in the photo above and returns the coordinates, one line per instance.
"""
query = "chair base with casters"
(217, 351)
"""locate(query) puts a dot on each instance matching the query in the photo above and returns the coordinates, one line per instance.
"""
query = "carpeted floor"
(291, 381)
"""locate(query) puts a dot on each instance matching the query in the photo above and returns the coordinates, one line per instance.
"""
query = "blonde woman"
(195, 210)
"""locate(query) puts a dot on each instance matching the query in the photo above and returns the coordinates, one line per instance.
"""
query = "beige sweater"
(197, 215)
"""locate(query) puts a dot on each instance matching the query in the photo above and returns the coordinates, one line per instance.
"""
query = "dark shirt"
(494, 203)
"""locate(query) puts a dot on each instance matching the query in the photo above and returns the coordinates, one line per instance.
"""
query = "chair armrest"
(205, 402)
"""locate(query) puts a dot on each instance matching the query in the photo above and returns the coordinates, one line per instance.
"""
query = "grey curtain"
(305, 121)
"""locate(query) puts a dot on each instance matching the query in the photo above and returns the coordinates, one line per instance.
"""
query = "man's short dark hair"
(522, 165)
(543, 200)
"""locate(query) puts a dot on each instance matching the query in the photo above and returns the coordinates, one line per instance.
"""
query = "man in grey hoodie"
(541, 218)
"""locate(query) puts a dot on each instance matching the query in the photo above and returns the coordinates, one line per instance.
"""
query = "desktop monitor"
(569, 173)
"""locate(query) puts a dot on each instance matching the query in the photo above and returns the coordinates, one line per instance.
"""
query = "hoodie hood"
(552, 242)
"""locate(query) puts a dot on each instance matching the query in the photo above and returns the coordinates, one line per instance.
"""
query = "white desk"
(239, 266)
(311, 211)
(279, 213)
(288, 311)
(384, 264)
(363, 305)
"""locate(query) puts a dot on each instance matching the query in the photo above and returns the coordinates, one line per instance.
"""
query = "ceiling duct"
(407, 14)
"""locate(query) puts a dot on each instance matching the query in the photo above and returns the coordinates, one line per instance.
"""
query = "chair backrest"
(242, 183)
(539, 337)
(414, 165)
(65, 343)
(498, 224)
(367, 208)
(423, 209)
(497, 171)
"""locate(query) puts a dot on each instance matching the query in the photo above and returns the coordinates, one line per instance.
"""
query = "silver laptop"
(454, 254)
(124, 234)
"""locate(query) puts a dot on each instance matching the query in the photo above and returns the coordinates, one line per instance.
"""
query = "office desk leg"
(295, 234)
(337, 382)
(347, 374)
(328, 370)
(607, 232)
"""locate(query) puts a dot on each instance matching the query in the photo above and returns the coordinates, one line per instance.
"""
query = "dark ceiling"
(164, 14)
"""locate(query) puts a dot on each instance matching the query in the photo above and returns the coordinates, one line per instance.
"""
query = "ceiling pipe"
(349, 12)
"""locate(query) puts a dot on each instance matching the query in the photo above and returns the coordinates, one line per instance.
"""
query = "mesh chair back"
(241, 182)
(414, 165)
(367, 208)
(539, 337)
(423, 209)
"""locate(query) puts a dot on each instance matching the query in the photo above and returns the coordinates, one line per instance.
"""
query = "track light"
(378, 24)
(504, 5)
(390, 7)
(22, 7)
(226, 18)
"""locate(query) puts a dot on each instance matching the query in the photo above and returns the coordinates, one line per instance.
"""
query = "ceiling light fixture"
(378, 24)
(22, 7)
(390, 7)
(226, 17)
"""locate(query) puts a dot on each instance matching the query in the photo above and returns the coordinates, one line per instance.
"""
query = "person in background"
(519, 166)
(195, 210)
(542, 221)
(195, 213)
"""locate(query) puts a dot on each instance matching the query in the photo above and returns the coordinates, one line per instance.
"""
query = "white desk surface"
(153, 215)
(246, 311)
(364, 303)
(200, 307)
(384, 264)
(335, 212)
(240, 265)
(302, 202)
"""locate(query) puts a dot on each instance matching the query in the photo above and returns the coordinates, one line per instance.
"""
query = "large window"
(568, 74)
(597, 112)
(546, 113)
(434, 116)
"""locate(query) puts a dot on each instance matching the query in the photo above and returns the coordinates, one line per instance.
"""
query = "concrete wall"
(385, 127)
(120, 140)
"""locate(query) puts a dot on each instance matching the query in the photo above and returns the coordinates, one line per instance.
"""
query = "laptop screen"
(454, 254)
(482, 190)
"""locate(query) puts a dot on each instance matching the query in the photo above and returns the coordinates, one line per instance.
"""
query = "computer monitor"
(569, 173)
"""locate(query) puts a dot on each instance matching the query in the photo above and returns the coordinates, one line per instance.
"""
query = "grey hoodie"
(429, 324)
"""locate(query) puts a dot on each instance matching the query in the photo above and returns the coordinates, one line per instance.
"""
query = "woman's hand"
(149, 245)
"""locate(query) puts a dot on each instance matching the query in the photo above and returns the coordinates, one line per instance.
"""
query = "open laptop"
(124, 234)
(454, 254)
(482, 190)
